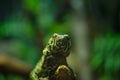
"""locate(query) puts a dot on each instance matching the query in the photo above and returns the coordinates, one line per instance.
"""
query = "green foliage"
(17, 26)
(2, 77)
(32, 5)
(25, 51)
(14, 77)
(106, 77)
(106, 57)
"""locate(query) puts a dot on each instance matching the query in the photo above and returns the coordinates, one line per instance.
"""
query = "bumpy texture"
(53, 65)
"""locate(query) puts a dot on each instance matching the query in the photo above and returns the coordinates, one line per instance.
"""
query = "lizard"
(53, 61)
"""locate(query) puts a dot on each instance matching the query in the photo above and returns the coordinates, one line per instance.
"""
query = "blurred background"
(93, 25)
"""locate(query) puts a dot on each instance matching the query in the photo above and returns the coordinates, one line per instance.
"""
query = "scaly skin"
(63, 72)
(53, 59)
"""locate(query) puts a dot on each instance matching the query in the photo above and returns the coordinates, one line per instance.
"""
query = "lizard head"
(60, 44)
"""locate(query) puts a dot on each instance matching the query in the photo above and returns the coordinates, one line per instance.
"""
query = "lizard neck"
(61, 60)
